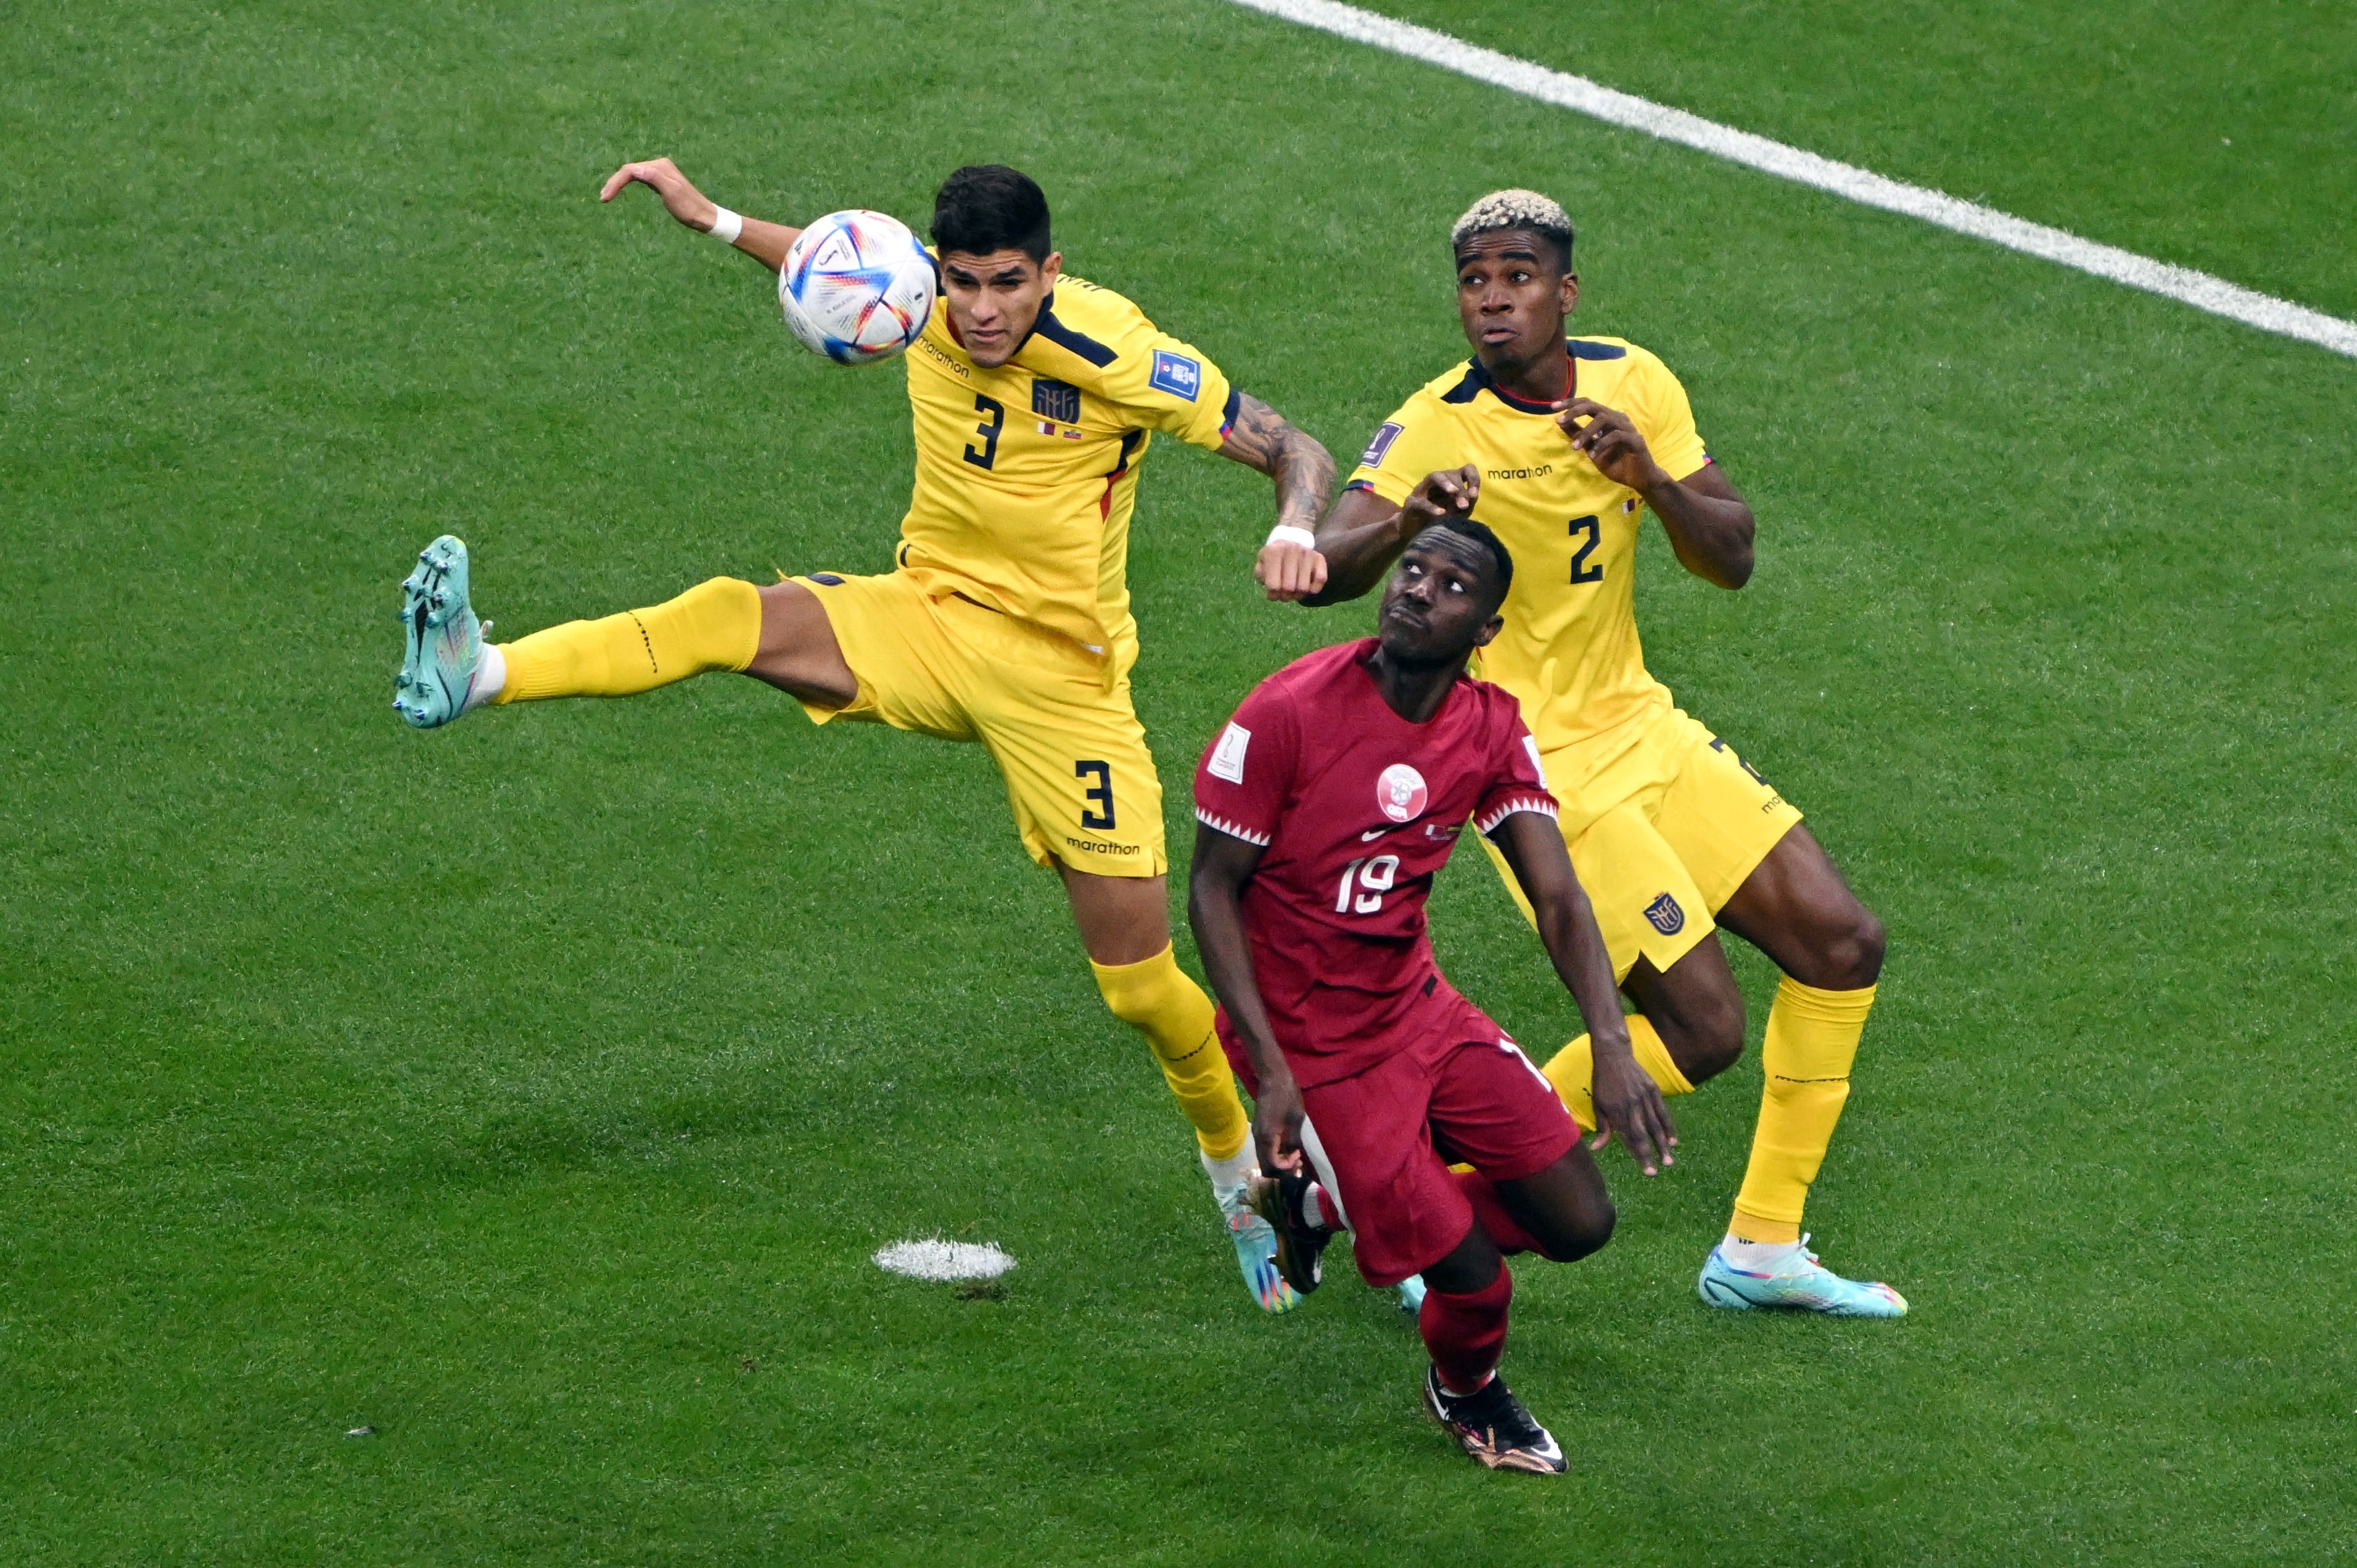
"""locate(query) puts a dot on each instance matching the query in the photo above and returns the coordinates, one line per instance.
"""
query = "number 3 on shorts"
(1101, 792)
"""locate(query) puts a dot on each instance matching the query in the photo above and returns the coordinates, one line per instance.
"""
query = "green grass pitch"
(535, 1091)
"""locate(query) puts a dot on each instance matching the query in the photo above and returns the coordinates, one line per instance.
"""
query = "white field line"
(2197, 289)
(936, 1258)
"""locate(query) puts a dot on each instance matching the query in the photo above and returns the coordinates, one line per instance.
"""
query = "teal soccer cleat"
(1255, 1242)
(442, 642)
(1799, 1282)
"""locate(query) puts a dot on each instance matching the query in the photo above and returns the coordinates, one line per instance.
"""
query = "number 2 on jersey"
(1374, 881)
(989, 433)
(1581, 572)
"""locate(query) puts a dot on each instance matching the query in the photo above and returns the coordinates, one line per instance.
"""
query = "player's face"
(1440, 603)
(994, 299)
(1512, 298)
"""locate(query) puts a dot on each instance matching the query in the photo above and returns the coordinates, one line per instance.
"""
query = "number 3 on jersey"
(988, 431)
(1374, 878)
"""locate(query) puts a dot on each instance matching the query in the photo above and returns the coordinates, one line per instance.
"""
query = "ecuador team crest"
(1665, 916)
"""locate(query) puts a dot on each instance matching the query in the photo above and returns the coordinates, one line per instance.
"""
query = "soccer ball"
(857, 287)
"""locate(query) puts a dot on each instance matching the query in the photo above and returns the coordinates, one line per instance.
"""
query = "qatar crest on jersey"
(1400, 792)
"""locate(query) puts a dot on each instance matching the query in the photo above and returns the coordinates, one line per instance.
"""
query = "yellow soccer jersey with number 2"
(1027, 473)
(1569, 649)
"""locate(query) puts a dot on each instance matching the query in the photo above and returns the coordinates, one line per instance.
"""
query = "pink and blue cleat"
(1799, 1283)
(442, 643)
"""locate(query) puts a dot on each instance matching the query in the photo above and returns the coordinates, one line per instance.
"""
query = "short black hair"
(1466, 528)
(984, 207)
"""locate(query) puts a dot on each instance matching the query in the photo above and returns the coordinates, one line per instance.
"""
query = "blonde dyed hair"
(1515, 208)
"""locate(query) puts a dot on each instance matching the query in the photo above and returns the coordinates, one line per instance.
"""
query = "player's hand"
(1442, 497)
(1276, 1123)
(1628, 1102)
(1607, 439)
(1289, 571)
(661, 176)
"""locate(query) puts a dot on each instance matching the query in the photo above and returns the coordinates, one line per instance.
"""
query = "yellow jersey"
(1027, 473)
(1570, 647)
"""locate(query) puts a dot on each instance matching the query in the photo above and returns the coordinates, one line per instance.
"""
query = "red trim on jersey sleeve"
(1234, 829)
(1499, 808)
(1518, 783)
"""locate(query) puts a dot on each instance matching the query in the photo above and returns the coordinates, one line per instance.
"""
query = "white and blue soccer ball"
(856, 286)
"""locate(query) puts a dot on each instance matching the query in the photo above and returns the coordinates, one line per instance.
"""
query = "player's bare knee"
(1471, 1265)
(798, 653)
(1706, 1038)
(1573, 1236)
(1851, 958)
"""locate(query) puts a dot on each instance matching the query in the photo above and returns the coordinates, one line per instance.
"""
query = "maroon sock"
(1466, 1334)
(1492, 1214)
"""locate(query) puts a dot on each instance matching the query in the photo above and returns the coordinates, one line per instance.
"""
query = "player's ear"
(1570, 292)
(1490, 630)
(1052, 268)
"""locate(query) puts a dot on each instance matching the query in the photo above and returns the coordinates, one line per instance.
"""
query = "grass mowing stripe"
(2198, 289)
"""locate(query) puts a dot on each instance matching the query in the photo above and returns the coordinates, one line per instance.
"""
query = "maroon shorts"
(1382, 1138)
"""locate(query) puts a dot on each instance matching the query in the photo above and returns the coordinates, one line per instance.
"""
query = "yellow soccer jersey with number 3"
(1570, 647)
(1027, 473)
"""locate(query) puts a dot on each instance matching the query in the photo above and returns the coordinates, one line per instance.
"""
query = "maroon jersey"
(1356, 809)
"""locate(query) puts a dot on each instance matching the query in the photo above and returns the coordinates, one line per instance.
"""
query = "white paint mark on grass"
(941, 1261)
(2197, 289)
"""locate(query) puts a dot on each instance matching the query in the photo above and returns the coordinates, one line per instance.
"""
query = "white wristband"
(1285, 533)
(725, 226)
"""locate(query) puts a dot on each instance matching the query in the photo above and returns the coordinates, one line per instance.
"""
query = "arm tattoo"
(1304, 471)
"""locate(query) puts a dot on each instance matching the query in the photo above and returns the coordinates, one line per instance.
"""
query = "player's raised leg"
(1796, 909)
(778, 634)
(1124, 924)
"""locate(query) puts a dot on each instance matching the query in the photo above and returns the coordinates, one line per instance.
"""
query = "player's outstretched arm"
(1224, 864)
(1710, 525)
(1262, 439)
(765, 242)
(1627, 1100)
(1362, 534)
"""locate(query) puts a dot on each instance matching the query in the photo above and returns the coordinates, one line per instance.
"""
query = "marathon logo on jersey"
(1665, 916)
(1176, 374)
(1400, 793)
(1227, 756)
(1057, 401)
(1373, 457)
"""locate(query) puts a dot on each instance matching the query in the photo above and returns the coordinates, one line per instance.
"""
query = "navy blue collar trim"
(1478, 381)
(1064, 337)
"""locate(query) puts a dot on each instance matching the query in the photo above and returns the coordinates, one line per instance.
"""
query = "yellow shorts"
(1661, 834)
(1058, 724)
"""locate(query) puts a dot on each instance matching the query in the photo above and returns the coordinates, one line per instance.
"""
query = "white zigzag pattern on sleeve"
(1539, 803)
(1234, 829)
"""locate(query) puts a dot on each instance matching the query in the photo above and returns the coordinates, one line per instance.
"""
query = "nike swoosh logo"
(1370, 838)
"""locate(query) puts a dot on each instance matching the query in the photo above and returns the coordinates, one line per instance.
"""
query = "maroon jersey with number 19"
(1356, 809)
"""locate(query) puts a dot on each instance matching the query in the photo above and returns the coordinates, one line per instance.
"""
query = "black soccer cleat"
(1491, 1425)
(1277, 1200)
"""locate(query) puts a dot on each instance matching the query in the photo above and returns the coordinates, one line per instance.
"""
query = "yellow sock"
(1571, 1070)
(1811, 1040)
(1159, 999)
(716, 625)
